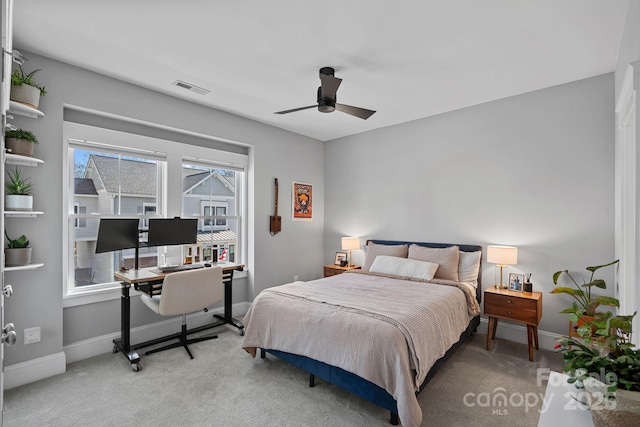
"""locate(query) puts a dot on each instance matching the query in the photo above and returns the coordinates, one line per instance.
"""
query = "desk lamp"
(502, 256)
(349, 244)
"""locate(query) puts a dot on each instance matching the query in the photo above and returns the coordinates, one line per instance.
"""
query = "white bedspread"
(385, 330)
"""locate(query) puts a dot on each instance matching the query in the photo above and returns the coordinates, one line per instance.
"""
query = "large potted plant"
(606, 364)
(600, 357)
(18, 196)
(17, 252)
(24, 88)
(20, 141)
(585, 305)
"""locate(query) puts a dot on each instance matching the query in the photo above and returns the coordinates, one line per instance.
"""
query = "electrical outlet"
(32, 335)
(295, 278)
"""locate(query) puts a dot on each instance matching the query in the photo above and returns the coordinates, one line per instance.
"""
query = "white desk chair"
(186, 292)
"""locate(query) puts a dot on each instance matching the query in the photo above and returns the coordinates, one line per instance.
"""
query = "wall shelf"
(24, 110)
(16, 159)
(22, 214)
(24, 267)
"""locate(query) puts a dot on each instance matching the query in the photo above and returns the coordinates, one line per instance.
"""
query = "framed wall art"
(302, 202)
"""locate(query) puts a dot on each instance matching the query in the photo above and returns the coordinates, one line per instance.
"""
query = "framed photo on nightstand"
(341, 257)
(515, 282)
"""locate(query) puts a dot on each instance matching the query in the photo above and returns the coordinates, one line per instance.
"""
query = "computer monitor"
(115, 234)
(176, 231)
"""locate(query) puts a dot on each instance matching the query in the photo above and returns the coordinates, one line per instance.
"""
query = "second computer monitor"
(176, 231)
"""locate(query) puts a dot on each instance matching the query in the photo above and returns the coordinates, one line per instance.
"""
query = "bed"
(381, 332)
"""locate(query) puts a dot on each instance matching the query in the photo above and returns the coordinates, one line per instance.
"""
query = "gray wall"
(37, 300)
(535, 171)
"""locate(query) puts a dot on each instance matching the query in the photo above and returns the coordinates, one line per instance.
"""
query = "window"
(112, 184)
(79, 222)
(209, 211)
(213, 193)
(114, 174)
(148, 209)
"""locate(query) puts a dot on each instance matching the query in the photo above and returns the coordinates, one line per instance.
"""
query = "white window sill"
(108, 294)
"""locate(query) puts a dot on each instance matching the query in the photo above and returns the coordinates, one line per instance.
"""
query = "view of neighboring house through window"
(114, 174)
(110, 185)
(212, 194)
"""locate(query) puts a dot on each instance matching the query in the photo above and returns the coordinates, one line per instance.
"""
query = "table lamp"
(503, 256)
(349, 244)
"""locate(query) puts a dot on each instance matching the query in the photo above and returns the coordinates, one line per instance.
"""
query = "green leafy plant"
(21, 134)
(19, 243)
(585, 304)
(608, 355)
(603, 347)
(18, 78)
(16, 185)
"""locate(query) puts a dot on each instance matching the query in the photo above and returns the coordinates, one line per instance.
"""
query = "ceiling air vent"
(192, 88)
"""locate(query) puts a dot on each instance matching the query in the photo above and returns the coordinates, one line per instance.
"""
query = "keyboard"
(174, 268)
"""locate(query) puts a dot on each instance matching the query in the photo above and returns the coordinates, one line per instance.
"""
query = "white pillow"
(468, 267)
(404, 267)
(375, 249)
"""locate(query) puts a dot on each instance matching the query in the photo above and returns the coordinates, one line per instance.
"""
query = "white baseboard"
(518, 333)
(104, 344)
(33, 370)
(44, 367)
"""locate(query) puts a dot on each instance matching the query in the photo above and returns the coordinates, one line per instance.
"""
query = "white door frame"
(627, 199)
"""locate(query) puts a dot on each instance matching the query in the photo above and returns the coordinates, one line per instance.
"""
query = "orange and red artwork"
(302, 201)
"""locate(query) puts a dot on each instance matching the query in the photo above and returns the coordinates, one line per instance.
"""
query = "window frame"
(146, 216)
(175, 154)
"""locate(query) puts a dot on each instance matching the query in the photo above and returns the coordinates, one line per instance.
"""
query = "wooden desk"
(523, 307)
(149, 280)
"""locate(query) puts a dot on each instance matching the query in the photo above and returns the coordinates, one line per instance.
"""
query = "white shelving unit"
(24, 267)
(24, 110)
(22, 214)
(16, 159)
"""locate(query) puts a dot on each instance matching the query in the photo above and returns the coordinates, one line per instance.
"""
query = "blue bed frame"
(358, 385)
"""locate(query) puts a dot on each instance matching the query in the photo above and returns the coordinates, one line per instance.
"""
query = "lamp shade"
(503, 255)
(350, 243)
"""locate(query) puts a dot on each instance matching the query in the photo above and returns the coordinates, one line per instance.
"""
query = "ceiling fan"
(327, 97)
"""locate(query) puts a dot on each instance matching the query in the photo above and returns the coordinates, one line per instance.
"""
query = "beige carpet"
(224, 386)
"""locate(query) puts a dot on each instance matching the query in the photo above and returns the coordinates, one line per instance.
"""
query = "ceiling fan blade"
(363, 113)
(330, 85)
(296, 109)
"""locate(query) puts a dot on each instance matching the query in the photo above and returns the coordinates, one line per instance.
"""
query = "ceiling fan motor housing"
(327, 71)
(325, 105)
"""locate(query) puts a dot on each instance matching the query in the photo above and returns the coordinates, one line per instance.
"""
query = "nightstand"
(332, 270)
(523, 307)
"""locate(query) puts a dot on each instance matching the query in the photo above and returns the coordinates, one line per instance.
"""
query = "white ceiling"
(407, 60)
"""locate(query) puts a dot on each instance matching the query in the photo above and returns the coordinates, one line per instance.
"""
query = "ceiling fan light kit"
(326, 100)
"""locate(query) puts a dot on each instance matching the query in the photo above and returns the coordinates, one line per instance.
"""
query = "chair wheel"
(136, 367)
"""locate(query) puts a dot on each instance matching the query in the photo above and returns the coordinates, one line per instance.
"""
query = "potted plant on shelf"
(18, 197)
(583, 309)
(17, 252)
(20, 141)
(24, 89)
